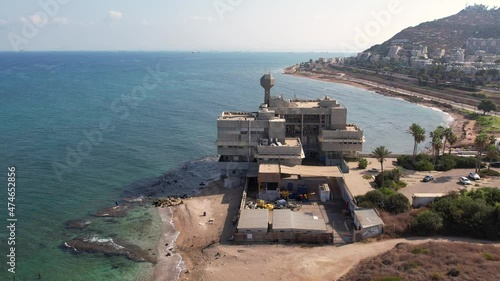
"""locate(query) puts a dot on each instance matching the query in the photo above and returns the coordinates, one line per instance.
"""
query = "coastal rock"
(116, 211)
(77, 224)
(167, 202)
(108, 247)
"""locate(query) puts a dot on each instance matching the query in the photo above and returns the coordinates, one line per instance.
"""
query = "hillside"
(450, 32)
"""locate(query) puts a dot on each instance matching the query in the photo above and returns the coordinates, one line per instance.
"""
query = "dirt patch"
(431, 261)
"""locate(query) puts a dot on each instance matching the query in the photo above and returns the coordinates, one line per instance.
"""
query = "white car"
(464, 181)
(474, 176)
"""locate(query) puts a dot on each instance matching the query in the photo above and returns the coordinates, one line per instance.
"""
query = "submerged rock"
(108, 247)
(116, 211)
(77, 224)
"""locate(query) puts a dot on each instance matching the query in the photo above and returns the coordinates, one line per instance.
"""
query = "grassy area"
(488, 124)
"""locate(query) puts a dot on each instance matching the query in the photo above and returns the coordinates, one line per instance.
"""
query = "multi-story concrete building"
(489, 45)
(285, 131)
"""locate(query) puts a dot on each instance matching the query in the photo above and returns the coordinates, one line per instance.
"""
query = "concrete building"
(489, 45)
(368, 223)
(284, 131)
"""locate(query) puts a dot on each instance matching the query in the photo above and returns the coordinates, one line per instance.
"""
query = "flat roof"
(368, 218)
(253, 219)
(304, 104)
(285, 219)
(428, 194)
(312, 171)
(269, 169)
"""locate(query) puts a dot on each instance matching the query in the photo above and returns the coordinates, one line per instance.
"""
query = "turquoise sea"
(87, 129)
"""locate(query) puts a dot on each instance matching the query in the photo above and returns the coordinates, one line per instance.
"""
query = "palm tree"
(437, 141)
(381, 153)
(481, 144)
(452, 139)
(447, 132)
(418, 134)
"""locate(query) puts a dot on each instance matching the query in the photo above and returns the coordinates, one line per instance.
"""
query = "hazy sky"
(226, 25)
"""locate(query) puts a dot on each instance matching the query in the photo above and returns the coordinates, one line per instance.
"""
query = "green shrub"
(417, 250)
(362, 163)
(374, 198)
(424, 165)
(465, 162)
(473, 213)
(397, 203)
(490, 256)
(427, 222)
(385, 179)
(446, 163)
(436, 276)
(406, 162)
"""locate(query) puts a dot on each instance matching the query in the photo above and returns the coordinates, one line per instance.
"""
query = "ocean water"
(87, 129)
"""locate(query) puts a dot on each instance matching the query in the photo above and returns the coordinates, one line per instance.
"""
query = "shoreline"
(459, 124)
(200, 222)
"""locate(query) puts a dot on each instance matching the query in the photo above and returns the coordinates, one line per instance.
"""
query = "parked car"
(427, 178)
(373, 170)
(474, 176)
(464, 181)
(495, 165)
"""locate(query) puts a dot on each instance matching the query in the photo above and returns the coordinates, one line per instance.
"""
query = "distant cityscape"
(478, 54)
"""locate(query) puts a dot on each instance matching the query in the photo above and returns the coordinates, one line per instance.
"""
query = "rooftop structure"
(253, 220)
(287, 221)
(284, 131)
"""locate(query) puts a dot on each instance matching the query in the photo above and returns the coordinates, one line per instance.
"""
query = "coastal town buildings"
(284, 131)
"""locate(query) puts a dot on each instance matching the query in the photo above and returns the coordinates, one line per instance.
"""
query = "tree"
(481, 143)
(446, 133)
(491, 154)
(437, 140)
(381, 153)
(452, 139)
(487, 105)
(418, 134)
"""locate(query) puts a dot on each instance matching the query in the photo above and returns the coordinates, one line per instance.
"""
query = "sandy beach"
(202, 221)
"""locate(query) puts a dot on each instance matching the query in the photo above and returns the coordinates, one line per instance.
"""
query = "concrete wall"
(338, 118)
(291, 237)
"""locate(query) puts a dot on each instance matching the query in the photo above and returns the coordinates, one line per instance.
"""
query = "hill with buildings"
(448, 33)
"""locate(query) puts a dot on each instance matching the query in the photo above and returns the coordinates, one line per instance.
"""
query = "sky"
(213, 25)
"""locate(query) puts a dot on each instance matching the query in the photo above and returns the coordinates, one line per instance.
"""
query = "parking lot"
(444, 182)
